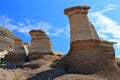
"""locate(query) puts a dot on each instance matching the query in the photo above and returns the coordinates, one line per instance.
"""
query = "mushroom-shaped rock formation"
(40, 45)
(88, 54)
(81, 28)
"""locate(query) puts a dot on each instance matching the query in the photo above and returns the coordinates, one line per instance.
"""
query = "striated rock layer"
(80, 26)
(6, 40)
(7, 43)
(40, 45)
(19, 52)
(88, 54)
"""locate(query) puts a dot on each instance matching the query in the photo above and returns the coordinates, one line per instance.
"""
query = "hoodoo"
(81, 28)
(40, 45)
(87, 54)
(19, 52)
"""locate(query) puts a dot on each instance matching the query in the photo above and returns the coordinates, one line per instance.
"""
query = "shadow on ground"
(48, 75)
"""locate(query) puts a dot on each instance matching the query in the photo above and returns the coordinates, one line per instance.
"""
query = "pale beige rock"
(40, 44)
(6, 39)
(26, 47)
(80, 26)
(19, 47)
(6, 43)
(88, 54)
(3, 53)
(19, 51)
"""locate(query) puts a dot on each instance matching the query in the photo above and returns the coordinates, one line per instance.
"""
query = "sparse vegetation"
(16, 75)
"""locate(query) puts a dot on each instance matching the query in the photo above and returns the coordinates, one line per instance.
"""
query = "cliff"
(6, 41)
(11, 47)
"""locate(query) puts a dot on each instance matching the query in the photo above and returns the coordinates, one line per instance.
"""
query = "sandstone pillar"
(87, 53)
(40, 44)
(80, 27)
(19, 52)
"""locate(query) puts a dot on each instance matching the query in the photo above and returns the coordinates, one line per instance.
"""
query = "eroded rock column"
(87, 53)
(80, 27)
(19, 52)
(40, 44)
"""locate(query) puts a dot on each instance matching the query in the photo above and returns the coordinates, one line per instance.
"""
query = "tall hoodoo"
(87, 53)
(40, 44)
(80, 26)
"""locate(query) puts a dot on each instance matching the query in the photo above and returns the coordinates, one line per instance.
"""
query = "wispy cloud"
(106, 27)
(65, 31)
(25, 27)
(109, 8)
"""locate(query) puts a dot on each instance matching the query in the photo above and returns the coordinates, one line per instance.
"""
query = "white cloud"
(65, 31)
(5, 21)
(105, 26)
(25, 27)
(109, 8)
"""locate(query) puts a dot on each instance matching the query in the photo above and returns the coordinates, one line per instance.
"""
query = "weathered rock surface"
(88, 54)
(6, 43)
(42, 61)
(11, 48)
(84, 56)
(118, 62)
(40, 45)
(6, 40)
(80, 26)
(19, 52)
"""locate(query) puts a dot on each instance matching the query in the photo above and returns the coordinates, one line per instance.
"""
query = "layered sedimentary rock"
(19, 52)
(6, 47)
(11, 48)
(81, 28)
(6, 40)
(40, 44)
(6, 43)
(88, 54)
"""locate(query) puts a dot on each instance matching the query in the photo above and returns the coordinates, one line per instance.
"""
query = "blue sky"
(20, 16)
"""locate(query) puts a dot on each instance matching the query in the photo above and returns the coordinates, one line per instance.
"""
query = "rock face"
(6, 40)
(88, 54)
(81, 28)
(15, 52)
(40, 45)
(12, 51)
(118, 61)
(19, 52)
